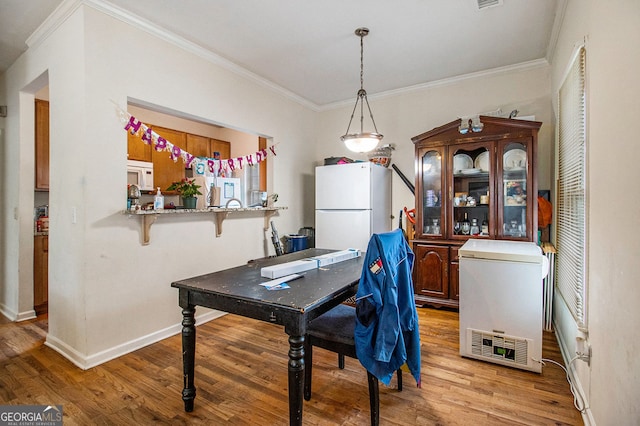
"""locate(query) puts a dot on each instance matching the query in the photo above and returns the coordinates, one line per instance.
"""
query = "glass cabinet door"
(431, 215)
(472, 198)
(514, 189)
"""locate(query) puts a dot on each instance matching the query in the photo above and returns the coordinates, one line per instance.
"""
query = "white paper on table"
(281, 280)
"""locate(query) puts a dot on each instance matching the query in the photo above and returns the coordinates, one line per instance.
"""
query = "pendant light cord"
(362, 141)
(361, 62)
(362, 94)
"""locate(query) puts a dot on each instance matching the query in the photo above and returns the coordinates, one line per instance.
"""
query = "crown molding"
(561, 9)
(53, 21)
(523, 66)
(67, 8)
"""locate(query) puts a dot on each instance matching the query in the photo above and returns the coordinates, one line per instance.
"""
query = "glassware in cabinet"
(431, 186)
(471, 190)
(515, 187)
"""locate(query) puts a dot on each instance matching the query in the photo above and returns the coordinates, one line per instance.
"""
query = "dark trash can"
(295, 242)
(311, 235)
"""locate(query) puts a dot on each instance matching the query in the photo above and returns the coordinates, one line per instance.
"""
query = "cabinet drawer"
(454, 254)
(431, 270)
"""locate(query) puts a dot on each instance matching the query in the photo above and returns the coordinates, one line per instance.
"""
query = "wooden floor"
(241, 379)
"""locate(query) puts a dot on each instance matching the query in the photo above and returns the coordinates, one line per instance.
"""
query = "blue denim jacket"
(386, 333)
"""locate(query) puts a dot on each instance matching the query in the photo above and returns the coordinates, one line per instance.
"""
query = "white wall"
(26, 76)
(108, 293)
(612, 31)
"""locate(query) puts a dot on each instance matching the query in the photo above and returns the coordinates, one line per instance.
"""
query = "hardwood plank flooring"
(241, 379)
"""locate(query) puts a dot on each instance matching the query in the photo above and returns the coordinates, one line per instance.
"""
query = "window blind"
(571, 213)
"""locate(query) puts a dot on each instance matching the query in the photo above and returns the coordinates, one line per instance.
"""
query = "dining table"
(238, 291)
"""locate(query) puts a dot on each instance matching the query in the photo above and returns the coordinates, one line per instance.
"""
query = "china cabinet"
(472, 181)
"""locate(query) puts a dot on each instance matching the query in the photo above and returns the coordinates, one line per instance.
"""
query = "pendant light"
(363, 141)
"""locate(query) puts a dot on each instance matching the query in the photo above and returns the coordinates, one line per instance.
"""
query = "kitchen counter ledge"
(221, 213)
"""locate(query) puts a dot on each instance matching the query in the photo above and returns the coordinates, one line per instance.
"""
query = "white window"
(571, 196)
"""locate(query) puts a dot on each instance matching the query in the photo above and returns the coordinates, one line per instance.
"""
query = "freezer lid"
(515, 251)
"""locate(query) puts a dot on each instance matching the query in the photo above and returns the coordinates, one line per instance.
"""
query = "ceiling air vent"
(484, 4)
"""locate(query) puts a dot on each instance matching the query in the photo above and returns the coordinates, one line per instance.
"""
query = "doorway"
(41, 203)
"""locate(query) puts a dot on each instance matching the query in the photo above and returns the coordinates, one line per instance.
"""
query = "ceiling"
(310, 49)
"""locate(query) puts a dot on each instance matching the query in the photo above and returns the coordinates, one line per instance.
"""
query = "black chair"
(334, 331)
(387, 253)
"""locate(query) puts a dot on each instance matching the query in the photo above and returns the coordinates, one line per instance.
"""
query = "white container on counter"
(158, 201)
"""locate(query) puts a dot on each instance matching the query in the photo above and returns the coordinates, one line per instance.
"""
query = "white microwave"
(140, 173)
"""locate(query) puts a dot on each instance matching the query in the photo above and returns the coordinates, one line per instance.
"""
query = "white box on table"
(283, 269)
(336, 256)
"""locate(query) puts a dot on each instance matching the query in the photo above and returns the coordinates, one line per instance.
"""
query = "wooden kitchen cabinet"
(198, 146)
(223, 147)
(40, 273)
(137, 150)
(454, 274)
(41, 145)
(432, 268)
(165, 170)
(202, 146)
(470, 183)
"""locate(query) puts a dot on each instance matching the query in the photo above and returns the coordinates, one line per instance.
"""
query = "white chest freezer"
(501, 302)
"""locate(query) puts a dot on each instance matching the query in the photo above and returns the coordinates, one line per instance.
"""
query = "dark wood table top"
(238, 290)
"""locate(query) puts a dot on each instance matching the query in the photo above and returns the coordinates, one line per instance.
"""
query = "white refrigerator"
(501, 305)
(353, 201)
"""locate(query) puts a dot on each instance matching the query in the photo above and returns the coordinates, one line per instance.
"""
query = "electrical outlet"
(585, 353)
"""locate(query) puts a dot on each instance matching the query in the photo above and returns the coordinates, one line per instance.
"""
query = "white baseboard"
(15, 316)
(587, 415)
(9, 313)
(86, 362)
(23, 316)
(66, 351)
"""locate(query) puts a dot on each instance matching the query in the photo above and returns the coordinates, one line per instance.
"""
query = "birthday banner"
(218, 167)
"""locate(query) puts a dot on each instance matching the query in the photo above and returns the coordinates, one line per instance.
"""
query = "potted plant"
(188, 189)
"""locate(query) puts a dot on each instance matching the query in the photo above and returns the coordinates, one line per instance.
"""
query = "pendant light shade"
(363, 141)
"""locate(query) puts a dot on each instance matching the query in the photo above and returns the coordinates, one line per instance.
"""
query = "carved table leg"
(188, 355)
(296, 378)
